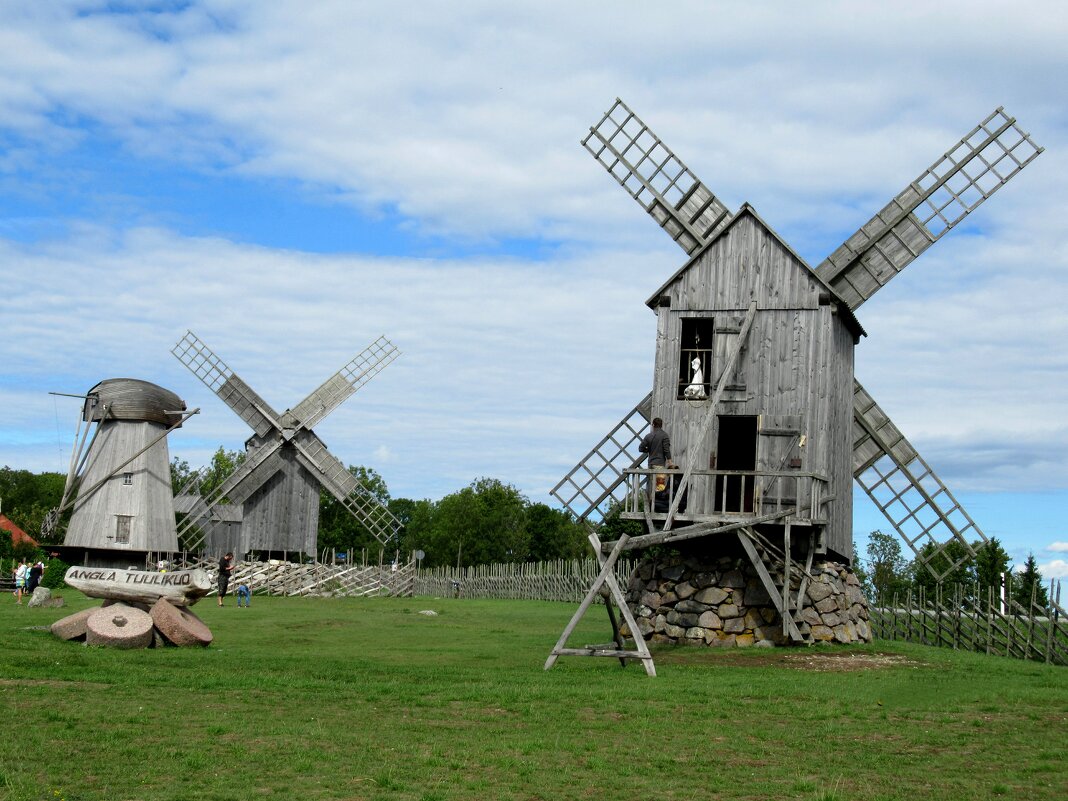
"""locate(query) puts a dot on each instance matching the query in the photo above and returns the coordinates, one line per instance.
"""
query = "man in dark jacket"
(657, 444)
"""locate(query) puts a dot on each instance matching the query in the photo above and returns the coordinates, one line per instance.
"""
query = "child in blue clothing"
(244, 594)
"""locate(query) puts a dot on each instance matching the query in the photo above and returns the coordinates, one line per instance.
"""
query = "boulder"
(728, 610)
(734, 625)
(119, 626)
(691, 606)
(72, 627)
(817, 591)
(732, 578)
(711, 596)
(684, 590)
(41, 596)
(179, 626)
(709, 620)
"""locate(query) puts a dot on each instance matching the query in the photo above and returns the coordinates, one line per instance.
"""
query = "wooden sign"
(181, 587)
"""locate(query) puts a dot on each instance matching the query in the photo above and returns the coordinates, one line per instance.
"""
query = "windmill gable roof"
(734, 229)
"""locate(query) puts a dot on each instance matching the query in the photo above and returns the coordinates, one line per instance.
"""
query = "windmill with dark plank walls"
(286, 462)
(754, 381)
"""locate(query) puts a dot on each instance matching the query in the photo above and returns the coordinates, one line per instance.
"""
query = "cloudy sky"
(292, 179)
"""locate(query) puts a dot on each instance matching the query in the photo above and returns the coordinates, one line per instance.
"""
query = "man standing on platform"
(657, 444)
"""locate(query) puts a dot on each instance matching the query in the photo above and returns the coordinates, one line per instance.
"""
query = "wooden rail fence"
(560, 580)
(976, 618)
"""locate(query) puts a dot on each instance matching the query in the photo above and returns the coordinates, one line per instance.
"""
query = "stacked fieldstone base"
(722, 602)
(140, 610)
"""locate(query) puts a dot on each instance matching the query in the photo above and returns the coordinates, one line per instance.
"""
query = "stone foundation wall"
(722, 602)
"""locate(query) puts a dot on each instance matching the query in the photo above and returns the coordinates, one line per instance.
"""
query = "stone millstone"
(119, 626)
(179, 626)
(72, 627)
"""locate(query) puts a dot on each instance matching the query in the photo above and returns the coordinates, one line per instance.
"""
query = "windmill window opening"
(127, 479)
(122, 529)
(695, 358)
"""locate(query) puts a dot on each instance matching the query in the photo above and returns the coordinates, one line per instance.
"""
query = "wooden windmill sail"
(119, 486)
(905, 488)
(286, 462)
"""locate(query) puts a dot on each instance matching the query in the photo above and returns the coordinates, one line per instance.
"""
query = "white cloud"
(1055, 569)
(464, 121)
(1057, 547)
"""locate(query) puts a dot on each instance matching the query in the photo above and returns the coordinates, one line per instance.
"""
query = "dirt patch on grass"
(93, 685)
(845, 661)
(818, 660)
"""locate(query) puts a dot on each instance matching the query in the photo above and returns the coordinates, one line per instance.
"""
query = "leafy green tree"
(991, 563)
(887, 569)
(1027, 581)
(552, 534)
(416, 518)
(481, 523)
(181, 472)
(27, 497)
(338, 528)
(941, 558)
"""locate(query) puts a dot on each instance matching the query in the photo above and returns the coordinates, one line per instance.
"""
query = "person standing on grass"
(21, 573)
(244, 593)
(34, 577)
(226, 567)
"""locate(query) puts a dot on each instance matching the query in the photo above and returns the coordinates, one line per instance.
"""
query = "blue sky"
(292, 180)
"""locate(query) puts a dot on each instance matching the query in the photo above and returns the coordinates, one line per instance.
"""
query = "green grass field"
(368, 699)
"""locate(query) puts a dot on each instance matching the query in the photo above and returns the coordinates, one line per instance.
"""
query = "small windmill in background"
(286, 463)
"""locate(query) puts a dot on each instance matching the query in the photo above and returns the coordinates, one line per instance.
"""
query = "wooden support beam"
(769, 583)
(694, 531)
(606, 576)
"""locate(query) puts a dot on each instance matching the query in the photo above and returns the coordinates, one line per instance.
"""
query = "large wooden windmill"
(286, 462)
(119, 487)
(754, 368)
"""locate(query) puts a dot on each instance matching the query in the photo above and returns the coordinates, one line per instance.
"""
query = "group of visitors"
(27, 577)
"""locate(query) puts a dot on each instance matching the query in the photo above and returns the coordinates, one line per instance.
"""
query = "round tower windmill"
(118, 489)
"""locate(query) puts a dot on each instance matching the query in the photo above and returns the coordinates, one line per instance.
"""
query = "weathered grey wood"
(694, 531)
(605, 577)
(769, 584)
(916, 218)
(710, 415)
(124, 499)
(181, 587)
(278, 483)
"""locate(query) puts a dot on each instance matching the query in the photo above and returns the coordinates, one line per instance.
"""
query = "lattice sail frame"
(597, 482)
(265, 460)
(943, 195)
(907, 491)
(655, 177)
(982, 162)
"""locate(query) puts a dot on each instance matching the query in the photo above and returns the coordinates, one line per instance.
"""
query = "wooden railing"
(735, 493)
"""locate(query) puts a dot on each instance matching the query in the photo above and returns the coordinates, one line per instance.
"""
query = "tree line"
(886, 573)
(492, 521)
(486, 521)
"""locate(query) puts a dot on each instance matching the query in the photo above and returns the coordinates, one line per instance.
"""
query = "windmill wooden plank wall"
(286, 463)
(119, 485)
(797, 365)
